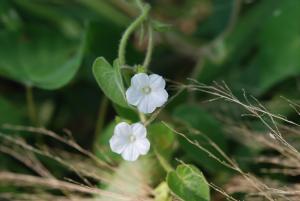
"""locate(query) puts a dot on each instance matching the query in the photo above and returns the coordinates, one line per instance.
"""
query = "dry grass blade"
(84, 164)
(51, 183)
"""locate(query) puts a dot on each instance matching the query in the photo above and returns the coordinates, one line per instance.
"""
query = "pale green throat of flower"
(132, 138)
(146, 90)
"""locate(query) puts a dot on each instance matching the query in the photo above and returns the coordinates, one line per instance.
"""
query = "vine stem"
(132, 27)
(139, 4)
(31, 106)
(149, 48)
(101, 115)
(142, 117)
(123, 43)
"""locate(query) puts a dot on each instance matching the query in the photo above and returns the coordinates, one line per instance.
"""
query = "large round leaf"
(40, 57)
(263, 49)
(277, 49)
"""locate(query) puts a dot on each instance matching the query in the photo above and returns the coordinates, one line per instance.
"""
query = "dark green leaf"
(265, 40)
(237, 44)
(195, 117)
(10, 114)
(40, 57)
(279, 52)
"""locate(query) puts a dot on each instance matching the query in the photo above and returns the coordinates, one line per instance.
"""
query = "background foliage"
(47, 66)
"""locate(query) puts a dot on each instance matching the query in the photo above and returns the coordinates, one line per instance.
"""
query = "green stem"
(195, 73)
(101, 116)
(132, 27)
(31, 106)
(163, 162)
(149, 48)
(139, 4)
(123, 43)
(142, 117)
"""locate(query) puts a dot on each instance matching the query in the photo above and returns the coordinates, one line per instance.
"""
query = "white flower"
(147, 92)
(130, 141)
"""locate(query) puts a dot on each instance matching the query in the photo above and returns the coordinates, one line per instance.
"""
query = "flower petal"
(117, 144)
(130, 153)
(157, 82)
(138, 130)
(133, 95)
(159, 97)
(122, 129)
(140, 80)
(142, 146)
(146, 105)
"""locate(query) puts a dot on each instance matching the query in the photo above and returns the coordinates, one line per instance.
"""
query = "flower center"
(132, 138)
(146, 90)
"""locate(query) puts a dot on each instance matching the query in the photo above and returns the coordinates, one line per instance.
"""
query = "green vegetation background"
(47, 49)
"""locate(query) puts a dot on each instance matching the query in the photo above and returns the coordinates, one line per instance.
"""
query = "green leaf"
(162, 139)
(126, 113)
(55, 14)
(265, 39)
(40, 57)
(236, 45)
(279, 50)
(276, 44)
(110, 80)
(188, 183)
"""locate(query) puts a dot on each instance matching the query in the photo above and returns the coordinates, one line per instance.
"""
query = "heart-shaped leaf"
(40, 57)
(110, 80)
(188, 183)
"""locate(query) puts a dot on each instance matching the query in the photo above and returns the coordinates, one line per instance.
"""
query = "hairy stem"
(149, 48)
(142, 117)
(132, 27)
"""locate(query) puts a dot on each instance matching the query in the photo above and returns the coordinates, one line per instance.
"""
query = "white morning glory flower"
(147, 92)
(130, 141)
